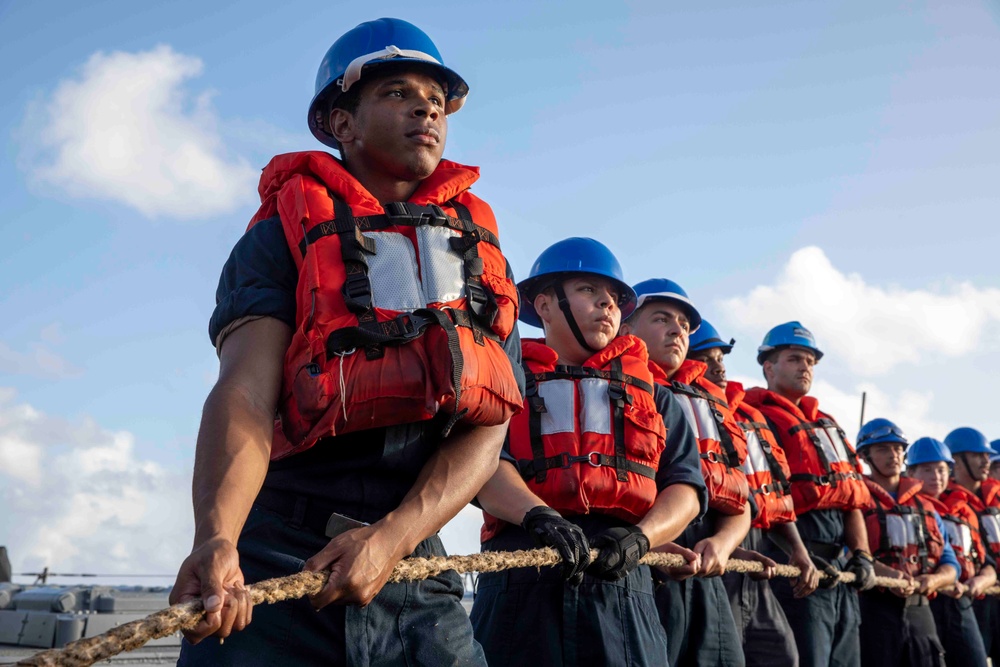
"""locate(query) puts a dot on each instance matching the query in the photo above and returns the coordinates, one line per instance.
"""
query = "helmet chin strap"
(965, 462)
(568, 314)
(868, 460)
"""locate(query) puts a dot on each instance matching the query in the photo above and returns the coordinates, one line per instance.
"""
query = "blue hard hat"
(995, 446)
(880, 430)
(706, 337)
(565, 258)
(928, 450)
(786, 335)
(966, 439)
(368, 45)
(661, 289)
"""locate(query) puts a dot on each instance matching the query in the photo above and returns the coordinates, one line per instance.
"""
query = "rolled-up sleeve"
(258, 280)
(679, 463)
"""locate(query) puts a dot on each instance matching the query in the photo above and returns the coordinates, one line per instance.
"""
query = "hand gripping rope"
(130, 636)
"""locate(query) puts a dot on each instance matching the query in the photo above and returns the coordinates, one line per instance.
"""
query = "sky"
(835, 163)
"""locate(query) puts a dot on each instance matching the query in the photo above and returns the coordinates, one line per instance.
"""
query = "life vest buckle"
(357, 292)
(568, 460)
(594, 459)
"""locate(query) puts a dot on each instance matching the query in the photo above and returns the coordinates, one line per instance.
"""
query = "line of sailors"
(632, 439)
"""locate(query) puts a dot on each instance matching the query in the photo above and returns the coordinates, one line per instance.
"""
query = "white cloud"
(128, 130)
(872, 328)
(461, 535)
(39, 360)
(78, 497)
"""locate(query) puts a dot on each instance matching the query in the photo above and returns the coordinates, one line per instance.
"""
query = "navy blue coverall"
(526, 616)
(363, 475)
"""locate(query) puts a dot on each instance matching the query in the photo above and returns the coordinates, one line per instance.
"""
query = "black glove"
(550, 529)
(830, 576)
(862, 566)
(619, 552)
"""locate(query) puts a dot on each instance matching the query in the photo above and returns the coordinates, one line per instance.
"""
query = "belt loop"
(299, 512)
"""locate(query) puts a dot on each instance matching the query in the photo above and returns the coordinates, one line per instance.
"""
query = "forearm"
(506, 496)
(945, 575)
(675, 507)
(731, 529)
(234, 444)
(855, 532)
(451, 478)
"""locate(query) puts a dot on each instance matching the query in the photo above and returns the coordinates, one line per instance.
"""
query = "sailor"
(909, 542)
(600, 458)
(695, 611)
(973, 485)
(760, 621)
(929, 461)
(369, 306)
(829, 494)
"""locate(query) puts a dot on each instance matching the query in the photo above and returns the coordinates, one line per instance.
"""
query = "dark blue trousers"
(987, 613)
(418, 623)
(526, 616)
(825, 624)
(699, 622)
(959, 632)
(898, 632)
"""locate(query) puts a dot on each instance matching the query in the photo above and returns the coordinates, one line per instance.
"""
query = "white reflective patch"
(959, 534)
(901, 529)
(442, 269)
(990, 524)
(826, 444)
(596, 406)
(560, 409)
(838, 443)
(700, 417)
(756, 459)
(393, 273)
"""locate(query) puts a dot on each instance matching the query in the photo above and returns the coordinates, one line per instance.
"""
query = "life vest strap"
(583, 372)
(825, 480)
(531, 467)
(399, 214)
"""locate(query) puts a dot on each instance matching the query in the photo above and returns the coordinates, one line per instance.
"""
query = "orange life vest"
(766, 468)
(986, 505)
(962, 524)
(825, 469)
(400, 311)
(590, 437)
(721, 442)
(902, 531)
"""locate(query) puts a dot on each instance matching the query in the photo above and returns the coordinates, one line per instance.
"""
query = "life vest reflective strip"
(962, 526)
(831, 446)
(589, 438)
(983, 519)
(768, 481)
(824, 467)
(422, 291)
(903, 534)
(722, 455)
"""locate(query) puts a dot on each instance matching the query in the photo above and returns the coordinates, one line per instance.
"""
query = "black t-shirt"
(363, 474)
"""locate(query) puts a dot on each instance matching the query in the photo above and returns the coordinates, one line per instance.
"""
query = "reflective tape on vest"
(700, 416)
(959, 534)
(902, 530)
(990, 523)
(560, 410)
(392, 270)
(756, 461)
(832, 443)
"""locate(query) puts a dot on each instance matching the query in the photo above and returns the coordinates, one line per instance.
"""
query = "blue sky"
(831, 162)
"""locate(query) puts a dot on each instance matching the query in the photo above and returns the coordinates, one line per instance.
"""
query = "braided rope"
(130, 636)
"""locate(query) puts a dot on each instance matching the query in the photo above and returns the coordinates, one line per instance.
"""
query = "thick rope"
(130, 636)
